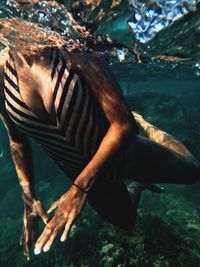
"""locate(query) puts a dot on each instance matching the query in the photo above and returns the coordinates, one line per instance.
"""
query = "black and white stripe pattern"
(81, 124)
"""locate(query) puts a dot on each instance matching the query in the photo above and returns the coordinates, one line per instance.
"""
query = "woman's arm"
(19, 144)
(123, 127)
(22, 157)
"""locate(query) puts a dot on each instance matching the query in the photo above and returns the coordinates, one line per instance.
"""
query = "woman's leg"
(161, 158)
(162, 137)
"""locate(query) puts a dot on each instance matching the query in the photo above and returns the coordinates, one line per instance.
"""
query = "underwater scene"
(153, 50)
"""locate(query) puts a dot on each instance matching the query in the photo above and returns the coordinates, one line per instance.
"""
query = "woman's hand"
(33, 210)
(68, 207)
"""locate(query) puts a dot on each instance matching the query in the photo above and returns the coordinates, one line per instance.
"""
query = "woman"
(70, 103)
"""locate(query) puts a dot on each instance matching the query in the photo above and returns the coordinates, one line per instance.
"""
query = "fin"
(153, 188)
(135, 189)
(113, 203)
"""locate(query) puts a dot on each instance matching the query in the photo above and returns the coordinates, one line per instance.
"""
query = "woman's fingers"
(50, 232)
(27, 243)
(42, 240)
(50, 241)
(66, 231)
(22, 237)
(25, 239)
(53, 206)
(41, 212)
(29, 234)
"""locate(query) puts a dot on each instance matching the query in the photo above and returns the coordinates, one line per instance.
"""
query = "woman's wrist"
(85, 180)
(29, 200)
(80, 188)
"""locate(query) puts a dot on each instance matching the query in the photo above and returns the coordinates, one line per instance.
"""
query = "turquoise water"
(167, 232)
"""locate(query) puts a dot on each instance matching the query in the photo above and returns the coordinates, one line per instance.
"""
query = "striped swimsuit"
(81, 121)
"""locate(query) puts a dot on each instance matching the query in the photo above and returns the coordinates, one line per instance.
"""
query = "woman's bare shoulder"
(4, 55)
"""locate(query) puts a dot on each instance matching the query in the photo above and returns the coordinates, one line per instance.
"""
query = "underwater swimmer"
(71, 104)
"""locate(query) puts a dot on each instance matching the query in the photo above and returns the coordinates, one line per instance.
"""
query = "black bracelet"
(80, 188)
